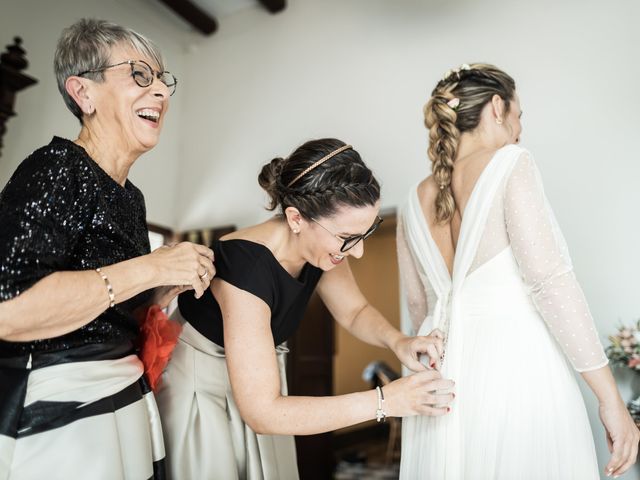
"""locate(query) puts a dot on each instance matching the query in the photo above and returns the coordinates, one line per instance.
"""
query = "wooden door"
(310, 372)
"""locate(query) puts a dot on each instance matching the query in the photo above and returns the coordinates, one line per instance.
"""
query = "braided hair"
(342, 180)
(446, 118)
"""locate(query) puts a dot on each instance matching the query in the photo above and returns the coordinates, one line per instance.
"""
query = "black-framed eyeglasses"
(350, 242)
(142, 74)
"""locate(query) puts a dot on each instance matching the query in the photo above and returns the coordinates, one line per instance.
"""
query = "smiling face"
(324, 237)
(129, 116)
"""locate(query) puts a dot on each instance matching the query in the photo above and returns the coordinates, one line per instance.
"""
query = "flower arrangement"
(625, 347)
(625, 352)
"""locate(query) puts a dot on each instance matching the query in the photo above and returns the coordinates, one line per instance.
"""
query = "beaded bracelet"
(112, 297)
(381, 416)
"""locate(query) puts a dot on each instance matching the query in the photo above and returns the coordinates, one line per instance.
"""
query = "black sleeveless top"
(252, 267)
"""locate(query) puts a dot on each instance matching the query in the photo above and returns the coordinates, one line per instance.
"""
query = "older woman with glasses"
(233, 419)
(76, 272)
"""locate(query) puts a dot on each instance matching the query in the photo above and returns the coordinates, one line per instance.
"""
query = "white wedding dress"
(514, 314)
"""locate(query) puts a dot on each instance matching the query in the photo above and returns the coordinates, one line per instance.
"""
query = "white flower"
(448, 73)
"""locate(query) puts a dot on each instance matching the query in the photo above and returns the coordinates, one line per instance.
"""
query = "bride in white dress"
(483, 260)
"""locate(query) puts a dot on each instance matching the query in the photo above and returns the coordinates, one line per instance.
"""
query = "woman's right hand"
(187, 264)
(422, 393)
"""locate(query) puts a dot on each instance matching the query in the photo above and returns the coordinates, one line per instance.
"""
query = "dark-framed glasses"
(350, 242)
(142, 74)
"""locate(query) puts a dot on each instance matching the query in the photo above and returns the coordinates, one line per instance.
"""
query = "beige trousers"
(205, 436)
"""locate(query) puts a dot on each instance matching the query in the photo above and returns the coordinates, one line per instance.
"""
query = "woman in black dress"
(75, 269)
(232, 419)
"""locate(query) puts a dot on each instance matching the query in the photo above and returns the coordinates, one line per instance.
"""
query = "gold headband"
(319, 162)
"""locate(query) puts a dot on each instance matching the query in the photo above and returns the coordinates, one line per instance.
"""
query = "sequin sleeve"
(43, 209)
(545, 265)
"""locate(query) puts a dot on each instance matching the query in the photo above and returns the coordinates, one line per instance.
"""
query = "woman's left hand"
(410, 349)
(622, 438)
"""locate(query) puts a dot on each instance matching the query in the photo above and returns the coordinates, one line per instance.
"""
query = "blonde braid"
(472, 87)
(444, 136)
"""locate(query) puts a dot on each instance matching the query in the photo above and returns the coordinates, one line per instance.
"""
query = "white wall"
(361, 70)
(41, 110)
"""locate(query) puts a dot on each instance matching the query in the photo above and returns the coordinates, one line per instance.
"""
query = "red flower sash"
(159, 336)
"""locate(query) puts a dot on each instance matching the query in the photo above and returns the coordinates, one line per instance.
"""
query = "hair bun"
(317, 178)
(268, 180)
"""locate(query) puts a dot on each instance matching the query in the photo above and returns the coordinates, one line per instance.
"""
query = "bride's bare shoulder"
(427, 193)
(427, 190)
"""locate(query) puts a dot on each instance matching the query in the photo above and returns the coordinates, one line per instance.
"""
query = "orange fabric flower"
(159, 336)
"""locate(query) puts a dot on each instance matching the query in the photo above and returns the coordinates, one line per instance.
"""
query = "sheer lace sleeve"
(412, 289)
(543, 258)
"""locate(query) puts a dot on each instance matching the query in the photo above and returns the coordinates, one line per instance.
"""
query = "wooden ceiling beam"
(198, 18)
(274, 6)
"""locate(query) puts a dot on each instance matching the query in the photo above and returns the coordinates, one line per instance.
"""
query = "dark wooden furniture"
(12, 62)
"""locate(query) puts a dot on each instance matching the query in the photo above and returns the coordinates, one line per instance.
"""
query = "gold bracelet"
(112, 297)
(381, 415)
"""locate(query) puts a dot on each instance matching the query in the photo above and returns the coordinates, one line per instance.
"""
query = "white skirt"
(518, 411)
(93, 420)
(205, 435)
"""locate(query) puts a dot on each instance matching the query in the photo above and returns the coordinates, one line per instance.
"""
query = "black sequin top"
(59, 212)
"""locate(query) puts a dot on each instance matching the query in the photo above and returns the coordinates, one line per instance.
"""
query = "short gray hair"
(87, 45)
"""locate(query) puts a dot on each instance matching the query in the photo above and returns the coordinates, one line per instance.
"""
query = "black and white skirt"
(81, 413)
